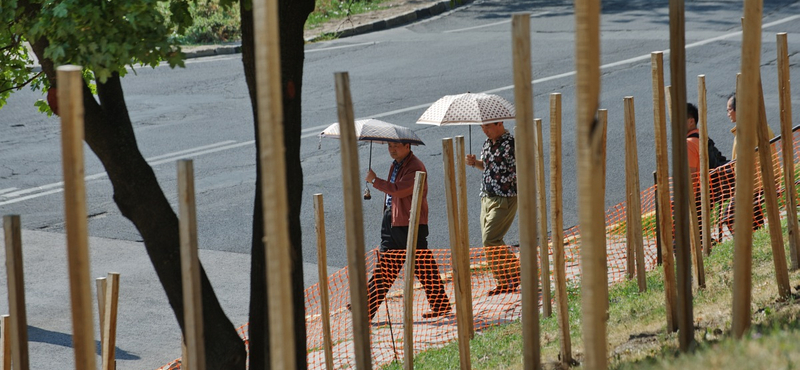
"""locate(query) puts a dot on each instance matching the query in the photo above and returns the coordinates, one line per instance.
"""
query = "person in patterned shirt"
(498, 204)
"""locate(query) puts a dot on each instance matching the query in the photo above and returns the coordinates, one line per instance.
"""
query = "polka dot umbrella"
(375, 131)
(468, 109)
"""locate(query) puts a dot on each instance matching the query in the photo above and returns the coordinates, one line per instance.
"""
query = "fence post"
(541, 205)
(70, 94)
(463, 228)
(354, 223)
(411, 249)
(771, 199)
(110, 322)
(591, 215)
(322, 264)
(662, 174)
(557, 236)
(272, 164)
(787, 142)
(746, 122)
(526, 187)
(455, 252)
(100, 284)
(16, 292)
(5, 342)
(633, 209)
(705, 180)
(190, 269)
(658, 229)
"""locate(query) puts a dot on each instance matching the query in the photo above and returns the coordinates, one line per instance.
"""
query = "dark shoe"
(433, 314)
(503, 289)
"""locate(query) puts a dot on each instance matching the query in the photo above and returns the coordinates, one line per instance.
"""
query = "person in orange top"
(692, 139)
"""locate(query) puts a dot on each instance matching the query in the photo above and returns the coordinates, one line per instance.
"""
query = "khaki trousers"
(497, 214)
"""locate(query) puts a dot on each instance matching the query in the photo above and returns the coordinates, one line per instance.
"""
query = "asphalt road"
(203, 112)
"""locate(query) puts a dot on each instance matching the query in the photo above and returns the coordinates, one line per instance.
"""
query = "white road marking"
(492, 24)
(340, 47)
(57, 187)
(3, 191)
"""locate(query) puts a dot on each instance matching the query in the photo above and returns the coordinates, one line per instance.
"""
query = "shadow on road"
(61, 339)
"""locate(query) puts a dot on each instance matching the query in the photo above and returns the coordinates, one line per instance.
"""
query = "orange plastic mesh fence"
(433, 291)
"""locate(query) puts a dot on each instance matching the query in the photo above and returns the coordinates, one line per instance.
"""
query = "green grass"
(326, 10)
(636, 327)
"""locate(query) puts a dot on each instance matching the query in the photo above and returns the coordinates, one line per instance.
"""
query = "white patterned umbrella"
(468, 109)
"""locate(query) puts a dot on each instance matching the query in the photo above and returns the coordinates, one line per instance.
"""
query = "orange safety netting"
(435, 270)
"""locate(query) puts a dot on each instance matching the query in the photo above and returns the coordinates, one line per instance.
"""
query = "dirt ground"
(392, 8)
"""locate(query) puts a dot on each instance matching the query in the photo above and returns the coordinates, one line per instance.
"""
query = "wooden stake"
(663, 202)
(354, 223)
(602, 118)
(411, 254)
(5, 342)
(694, 228)
(680, 175)
(100, 283)
(16, 291)
(705, 180)
(455, 250)
(70, 94)
(110, 322)
(557, 236)
(322, 264)
(634, 202)
(747, 108)
(541, 205)
(771, 199)
(591, 215)
(526, 188)
(190, 270)
(787, 142)
(272, 165)
(463, 228)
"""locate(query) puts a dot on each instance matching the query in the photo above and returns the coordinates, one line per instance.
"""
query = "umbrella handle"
(470, 139)
(370, 155)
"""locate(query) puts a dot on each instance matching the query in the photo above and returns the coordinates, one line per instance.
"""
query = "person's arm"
(472, 161)
(403, 185)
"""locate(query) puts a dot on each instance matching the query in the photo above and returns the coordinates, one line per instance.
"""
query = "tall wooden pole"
(100, 284)
(272, 165)
(602, 118)
(411, 254)
(455, 249)
(680, 174)
(465, 279)
(662, 184)
(354, 223)
(190, 271)
(633, 210)
(746, 121)
(5, 342)
(322, 264)
(557, 236)
(541, 205)
(591, 215)
(110, 323)
(787, 143)
(16, 292)
(70, 94)
(705, 180)
(771, 199)
(526, 188)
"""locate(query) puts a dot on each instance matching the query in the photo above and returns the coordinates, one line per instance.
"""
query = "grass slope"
(636, 327)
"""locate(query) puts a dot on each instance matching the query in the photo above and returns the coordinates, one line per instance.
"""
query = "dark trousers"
(391, 258)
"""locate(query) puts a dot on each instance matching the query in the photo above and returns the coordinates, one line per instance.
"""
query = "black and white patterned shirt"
(499, 167)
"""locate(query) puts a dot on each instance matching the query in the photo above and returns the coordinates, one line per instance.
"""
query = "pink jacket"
(402, 191)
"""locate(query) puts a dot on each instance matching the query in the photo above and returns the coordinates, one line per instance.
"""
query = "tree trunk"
(109, 133)
(293, 14)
